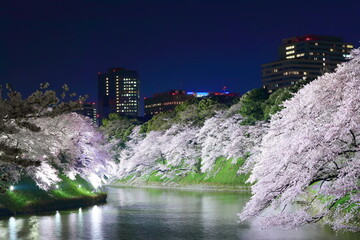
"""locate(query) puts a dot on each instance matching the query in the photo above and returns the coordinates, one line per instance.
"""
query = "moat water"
(142, 213)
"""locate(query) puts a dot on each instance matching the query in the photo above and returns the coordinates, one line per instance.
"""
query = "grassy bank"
(27, 197)
(222, 176)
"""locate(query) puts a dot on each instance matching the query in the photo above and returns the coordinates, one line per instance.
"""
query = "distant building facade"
(167, 101)
(119, 92)
(89, 110)
(304, 57)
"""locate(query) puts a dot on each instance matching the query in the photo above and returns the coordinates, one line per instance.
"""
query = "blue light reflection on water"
(134, 213)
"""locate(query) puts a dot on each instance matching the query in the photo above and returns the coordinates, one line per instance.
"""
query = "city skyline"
(201, 45)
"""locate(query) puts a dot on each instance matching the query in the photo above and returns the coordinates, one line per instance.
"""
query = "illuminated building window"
(290, 52)
(275, 70)
(290, 57)
(290, 47)
(316, 44)
(349, 46)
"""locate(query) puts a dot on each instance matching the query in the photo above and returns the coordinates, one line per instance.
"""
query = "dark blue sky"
(191, 44)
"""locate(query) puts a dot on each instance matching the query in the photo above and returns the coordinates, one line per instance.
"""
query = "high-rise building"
(304, 57)
(119, 92)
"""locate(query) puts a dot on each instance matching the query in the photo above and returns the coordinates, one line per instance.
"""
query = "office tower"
(305, 57)
(118, 92)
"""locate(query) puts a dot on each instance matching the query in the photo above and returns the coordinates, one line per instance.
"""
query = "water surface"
(140, 213)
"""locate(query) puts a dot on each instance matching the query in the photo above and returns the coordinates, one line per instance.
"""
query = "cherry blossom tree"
(16, 118)
(41, 139)
(223, 136)
(311, 154)
(79, 147)
(185, 148)
(67, 144)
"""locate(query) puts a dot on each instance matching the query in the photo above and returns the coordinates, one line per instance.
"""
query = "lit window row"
(291, 73)
(290, 52)
(171, 103)
(290, 47)
(153, 105)
(290, 57)
(164, 104)
(107, 86)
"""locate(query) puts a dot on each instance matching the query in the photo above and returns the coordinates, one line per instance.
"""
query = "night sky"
(189, 44)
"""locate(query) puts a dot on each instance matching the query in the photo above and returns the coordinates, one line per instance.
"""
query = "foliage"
(258, 105)
(119, 127)
(275, 101)
(161, 121)
(251, 105)
(273, 104)
(311, 151)
(193, 112)
(27, 196)
(223, 173)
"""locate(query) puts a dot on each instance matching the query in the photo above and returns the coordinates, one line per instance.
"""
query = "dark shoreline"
(57, 204)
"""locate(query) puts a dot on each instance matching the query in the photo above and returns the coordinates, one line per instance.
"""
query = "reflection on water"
(12, 228)
(96, 219)
(133, 213)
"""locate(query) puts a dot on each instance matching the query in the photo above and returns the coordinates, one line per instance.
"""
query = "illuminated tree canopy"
(41, 138)
(312, 152)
